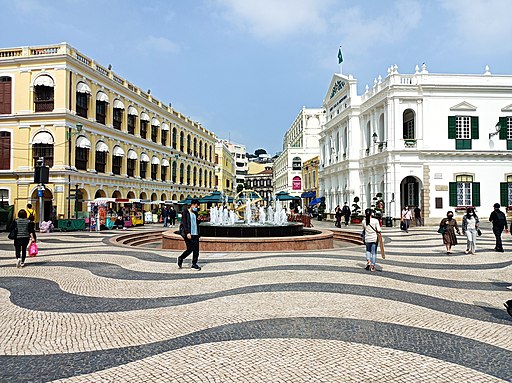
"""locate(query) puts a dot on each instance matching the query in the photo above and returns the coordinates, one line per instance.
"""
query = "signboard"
(296, 183)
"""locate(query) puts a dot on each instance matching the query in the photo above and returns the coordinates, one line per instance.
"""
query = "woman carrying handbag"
(22, 232)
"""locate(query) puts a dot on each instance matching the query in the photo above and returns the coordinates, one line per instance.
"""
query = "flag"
(340, 56)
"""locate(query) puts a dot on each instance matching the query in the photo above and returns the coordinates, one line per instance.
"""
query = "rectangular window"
(81, 104)
(154, 133)
(81, 156)
(439, 203)
(5, 150)
(116, 164)
(464, 192)
(101, 162)
(463, 127)
(143, 169)
(4, 198)
(5, 95)
(43, 150)
(154, 169)
(130, 167)
(101, 111)
(43, 99)
(163, 173)
(506, 192)
(409, 130)
(117, 118)
(131, 124)
(163, 138)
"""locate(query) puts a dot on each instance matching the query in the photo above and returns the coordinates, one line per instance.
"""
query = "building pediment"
(339, 84)
(508, 108)
(464, 106)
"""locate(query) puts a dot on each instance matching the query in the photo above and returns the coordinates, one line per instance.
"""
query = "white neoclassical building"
(438, 141)
(300, 144)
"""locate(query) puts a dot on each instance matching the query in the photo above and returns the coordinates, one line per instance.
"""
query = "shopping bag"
(33, 250)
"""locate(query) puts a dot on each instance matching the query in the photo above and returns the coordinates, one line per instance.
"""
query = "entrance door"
(410, 192)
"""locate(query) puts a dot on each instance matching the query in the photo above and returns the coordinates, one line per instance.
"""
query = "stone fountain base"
(311, 240)
(257, 230)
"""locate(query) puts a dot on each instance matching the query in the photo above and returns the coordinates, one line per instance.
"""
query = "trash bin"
(389, 222)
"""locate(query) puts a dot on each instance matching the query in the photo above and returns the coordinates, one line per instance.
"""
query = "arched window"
(182, 173)
(195, 147)
(163, 170)
(117, 159)
(101, 157)
(188, 174)
(143, 168)
(408, 124)
(5, 94)
(194, 177)
(164, 131)
(189, 144)
(182, 142)
(174, 171)
(117, 115)
(83, 145)
(131, 162)
(101, 107)
(82, 99)
(5, 150)
(132, 119)
(296, 163)
(155, 161)
(144, 120)
(43, 93)
(201, 149)
(174, 138)
(200, 177)
(42, 146)
(155, 124)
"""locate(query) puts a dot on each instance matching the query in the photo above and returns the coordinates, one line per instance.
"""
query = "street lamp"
(497, 129)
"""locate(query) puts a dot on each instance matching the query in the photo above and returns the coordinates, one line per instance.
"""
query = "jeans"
(20, 246)
(165, 221)
(497, 233)
(173, 220)
(192, 247)
(471, 236)
(407, 223)
(371, 252)
(418, 221)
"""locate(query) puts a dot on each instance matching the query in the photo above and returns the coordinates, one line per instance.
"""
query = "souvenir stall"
(107, 213)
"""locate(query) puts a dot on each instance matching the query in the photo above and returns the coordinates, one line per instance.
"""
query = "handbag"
(441, 230)
(13, 234)
(363, 236)
(33, 250)
(479, 232)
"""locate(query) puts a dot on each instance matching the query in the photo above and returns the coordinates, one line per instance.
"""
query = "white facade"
(420, 139)
(241, 161)
(300, 143)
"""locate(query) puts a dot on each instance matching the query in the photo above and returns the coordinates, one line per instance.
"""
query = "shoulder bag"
(13, 234)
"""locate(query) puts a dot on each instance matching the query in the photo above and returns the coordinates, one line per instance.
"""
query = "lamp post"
(497, 129)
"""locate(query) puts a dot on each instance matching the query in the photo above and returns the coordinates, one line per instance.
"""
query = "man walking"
(165, 215)
(346, 213)
(499, 222)
(406, 219)
(172, 216)
(189, 230)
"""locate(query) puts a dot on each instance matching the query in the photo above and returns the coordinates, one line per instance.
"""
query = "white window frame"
(464, 190)
(463, 127)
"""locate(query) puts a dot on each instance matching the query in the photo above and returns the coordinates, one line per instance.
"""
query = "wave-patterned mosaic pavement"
(88, 311)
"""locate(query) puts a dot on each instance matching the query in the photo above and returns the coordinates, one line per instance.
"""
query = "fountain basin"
(312, 239)
(250, 231)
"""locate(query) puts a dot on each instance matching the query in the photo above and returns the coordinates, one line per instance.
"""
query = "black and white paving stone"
(87, 311)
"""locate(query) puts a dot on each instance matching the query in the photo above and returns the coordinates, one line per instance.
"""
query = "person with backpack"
(23, 232)
(371, 230)
(31, 213)
(499, 222)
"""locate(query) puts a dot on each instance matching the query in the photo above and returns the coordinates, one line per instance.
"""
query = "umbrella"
(283, 196)
(315, 201)
(186, 201)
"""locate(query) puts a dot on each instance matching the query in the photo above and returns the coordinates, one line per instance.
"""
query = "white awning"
(165, 162)
(132, 111)
(144, 117)
(100, 96)
(118, 104)
(44, 80)
(155, 122)
(165, 126)
(118, 151)
(155, 161)
(144, 157)
(83, 142)
(82, 87)
(101, 147)
(132, 154)
(43, 138)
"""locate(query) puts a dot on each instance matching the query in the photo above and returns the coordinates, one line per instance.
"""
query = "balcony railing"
(43, 105)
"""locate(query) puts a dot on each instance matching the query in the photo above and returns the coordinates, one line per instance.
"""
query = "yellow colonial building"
(225, 172)
(96, 131)
(310, 177)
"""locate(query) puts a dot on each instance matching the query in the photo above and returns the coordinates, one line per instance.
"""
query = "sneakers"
(22, 265)
(180, 262)
(18, 263)
(466, 251)
(195, 266)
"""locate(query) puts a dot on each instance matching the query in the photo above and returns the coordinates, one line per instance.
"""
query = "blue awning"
(310, 194)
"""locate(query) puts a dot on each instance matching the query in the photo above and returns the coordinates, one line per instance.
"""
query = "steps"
(138, 239)
(347, 236)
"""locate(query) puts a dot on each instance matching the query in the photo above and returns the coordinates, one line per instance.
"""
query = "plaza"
(86, 310)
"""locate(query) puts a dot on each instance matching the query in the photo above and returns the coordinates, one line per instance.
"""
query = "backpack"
(502, 220)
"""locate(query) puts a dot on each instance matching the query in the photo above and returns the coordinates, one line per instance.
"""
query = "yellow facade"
(310, 177)
(70, 130)
(225, 173)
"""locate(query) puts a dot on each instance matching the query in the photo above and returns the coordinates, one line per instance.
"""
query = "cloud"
(275, 19)
(483, 25)
(158, 44)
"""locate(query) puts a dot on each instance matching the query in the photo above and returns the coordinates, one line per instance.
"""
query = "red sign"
(296, 183)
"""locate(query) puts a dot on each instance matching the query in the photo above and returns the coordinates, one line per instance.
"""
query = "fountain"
(250, 226)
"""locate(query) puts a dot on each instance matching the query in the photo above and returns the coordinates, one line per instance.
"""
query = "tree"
(257, 152)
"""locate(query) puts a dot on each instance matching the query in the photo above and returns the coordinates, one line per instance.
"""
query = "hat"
(497, 206)
(194, 202)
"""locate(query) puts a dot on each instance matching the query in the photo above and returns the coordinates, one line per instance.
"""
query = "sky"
(245, 68)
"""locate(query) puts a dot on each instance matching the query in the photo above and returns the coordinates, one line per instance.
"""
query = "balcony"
(410, 143)
(43, 105)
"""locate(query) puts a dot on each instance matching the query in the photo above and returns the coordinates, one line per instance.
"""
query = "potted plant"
(379, 207)
(321, 208)
(356, 216)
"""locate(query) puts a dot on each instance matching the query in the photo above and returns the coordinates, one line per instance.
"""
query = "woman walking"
(449, 224)
(470, 223)
(371, 229)
(25, 232)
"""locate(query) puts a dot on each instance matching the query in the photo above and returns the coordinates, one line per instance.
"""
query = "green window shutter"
(462, 144)
(509, 144)
(503, 128)
(452, 131)
(453, 193)
(474, 128)
(475, 193)
(504, 193)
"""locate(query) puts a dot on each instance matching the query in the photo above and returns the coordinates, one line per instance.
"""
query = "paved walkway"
(87, 311)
